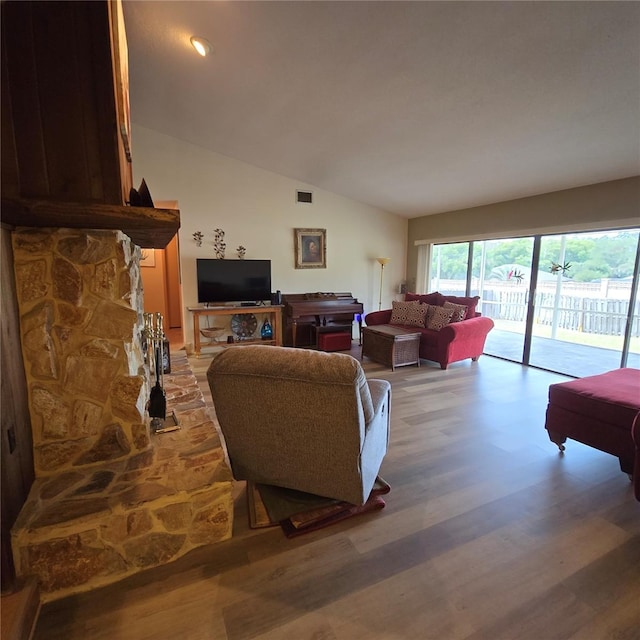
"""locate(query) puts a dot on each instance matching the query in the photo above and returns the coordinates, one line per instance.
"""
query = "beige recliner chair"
(301, 419)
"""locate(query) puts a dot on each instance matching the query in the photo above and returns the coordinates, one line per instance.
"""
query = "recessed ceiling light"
(201, 45)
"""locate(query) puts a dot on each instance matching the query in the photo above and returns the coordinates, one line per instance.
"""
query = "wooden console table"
(275, 318)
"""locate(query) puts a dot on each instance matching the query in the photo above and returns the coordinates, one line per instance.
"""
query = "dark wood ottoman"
(598, 411)
(391, 345)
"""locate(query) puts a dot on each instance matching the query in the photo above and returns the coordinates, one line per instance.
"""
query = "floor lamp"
(382, 262)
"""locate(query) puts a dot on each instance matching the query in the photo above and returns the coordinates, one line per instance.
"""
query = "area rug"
(297, 512)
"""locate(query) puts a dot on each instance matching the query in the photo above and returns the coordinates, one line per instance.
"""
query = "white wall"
(594, 207)
(257, 209)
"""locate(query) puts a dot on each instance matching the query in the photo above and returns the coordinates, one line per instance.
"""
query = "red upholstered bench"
(336, 341)
(635, 433)
(598, 411)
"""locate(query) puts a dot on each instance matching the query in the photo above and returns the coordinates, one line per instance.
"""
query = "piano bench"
(337, 341)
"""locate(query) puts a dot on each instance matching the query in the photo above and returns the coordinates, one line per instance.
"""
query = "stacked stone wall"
(80, 302)
(109, 500)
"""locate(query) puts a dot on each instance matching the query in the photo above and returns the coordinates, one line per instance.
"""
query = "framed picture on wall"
(148, 258)
(310, 247)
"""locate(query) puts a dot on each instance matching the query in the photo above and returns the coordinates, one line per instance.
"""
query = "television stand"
(273, 313)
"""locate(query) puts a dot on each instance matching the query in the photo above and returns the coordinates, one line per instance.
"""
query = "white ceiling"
(413, 107)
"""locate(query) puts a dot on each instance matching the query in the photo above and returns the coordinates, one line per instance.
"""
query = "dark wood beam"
(149, 228)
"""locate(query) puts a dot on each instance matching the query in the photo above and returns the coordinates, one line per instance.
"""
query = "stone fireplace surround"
(109, 498)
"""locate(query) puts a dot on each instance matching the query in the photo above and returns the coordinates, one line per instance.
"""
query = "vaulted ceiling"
(413, 107)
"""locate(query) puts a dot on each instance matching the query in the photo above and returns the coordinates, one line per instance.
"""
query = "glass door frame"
(626, 343)
(504, 297)
(531, 299)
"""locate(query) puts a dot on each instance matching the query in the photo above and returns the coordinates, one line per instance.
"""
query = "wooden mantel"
(149, 228)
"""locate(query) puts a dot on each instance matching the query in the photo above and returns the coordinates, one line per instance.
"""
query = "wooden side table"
(392, 346)
(274, 312)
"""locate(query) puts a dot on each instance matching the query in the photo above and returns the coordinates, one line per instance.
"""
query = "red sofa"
(454, 342)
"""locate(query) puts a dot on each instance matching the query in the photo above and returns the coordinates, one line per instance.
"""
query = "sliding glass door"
(583, 293)
(568, 303)
(632, 341)
(500, 276)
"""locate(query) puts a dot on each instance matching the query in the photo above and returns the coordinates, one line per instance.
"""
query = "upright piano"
(306, 315)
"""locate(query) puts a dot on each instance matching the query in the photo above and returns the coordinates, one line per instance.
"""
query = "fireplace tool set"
(154, 340)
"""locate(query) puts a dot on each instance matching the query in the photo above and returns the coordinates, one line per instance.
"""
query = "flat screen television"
(233, 280)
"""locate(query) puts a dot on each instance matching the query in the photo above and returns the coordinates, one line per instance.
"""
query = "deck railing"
(595, 308)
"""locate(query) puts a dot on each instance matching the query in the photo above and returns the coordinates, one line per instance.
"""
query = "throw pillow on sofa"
(439, 317)
(471, 303)
(408, 313)
(427, 318)
(426, 298)
(459, 311)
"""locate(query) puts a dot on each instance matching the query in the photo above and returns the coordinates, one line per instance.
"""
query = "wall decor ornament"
(310, 247)
(241, 252)
(219, 245)
(198, 236)
(148, 258)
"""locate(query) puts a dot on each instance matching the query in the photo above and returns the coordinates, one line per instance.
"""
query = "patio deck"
(567, 358)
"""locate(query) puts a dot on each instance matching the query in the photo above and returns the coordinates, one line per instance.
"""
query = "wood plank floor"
(488, 533)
